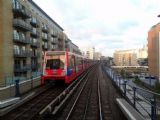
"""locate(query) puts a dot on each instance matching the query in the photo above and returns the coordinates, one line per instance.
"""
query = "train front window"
(55, 62)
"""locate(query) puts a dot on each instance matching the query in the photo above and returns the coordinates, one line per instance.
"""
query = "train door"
(71, 65)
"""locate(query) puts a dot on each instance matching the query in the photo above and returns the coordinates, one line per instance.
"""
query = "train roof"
(68, 53)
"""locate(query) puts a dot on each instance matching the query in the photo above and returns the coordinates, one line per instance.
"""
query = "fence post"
(153, 109)
(125, 82)
(17, 93)
(150, 80)
(119, 83)
(134, 97)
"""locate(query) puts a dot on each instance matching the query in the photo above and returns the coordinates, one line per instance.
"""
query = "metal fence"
(11, 80)
(144, 101)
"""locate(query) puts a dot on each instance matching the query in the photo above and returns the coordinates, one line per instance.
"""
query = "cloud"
(106, 24)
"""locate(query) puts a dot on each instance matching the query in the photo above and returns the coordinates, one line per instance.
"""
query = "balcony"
(20, 11)
(61, 36)
(35, 44)
(35, 34)
(60, 39)
(53, 41)
(45, 47)
(66, 45)
(21, 40)
(22, 53)
(60, 45)
(19, 23)
(45, 38)
(54, 34)
(35, 55)
(45, 29)
(19, 68)
(35, 66)
(54, 47)
(66, 40)
(35, 23)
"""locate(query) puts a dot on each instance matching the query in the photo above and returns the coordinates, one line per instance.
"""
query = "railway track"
(91, 104)
(91, 96)
(30, 109)
(53, 110)
(85, 101)
(93, 99)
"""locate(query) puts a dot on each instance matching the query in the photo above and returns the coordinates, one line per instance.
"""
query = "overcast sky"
(108, 25)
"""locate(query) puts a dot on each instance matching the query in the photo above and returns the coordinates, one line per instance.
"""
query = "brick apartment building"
(154, 51)
(125, 58)
(26, 33)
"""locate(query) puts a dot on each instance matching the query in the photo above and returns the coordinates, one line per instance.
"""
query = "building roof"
(33, 3)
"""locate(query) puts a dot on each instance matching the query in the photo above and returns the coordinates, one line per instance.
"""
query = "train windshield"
(55, 62)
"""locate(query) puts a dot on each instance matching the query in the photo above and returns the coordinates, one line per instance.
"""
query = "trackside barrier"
(10, 80)
(146, 102)
(128, 110)
(18, 88)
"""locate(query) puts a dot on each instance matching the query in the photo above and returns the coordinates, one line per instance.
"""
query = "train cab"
(54, 66)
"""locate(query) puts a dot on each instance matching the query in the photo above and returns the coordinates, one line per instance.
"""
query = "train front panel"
(54, 66)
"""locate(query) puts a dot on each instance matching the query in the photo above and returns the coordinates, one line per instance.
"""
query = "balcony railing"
(20, 39)
(35, 44)
(54, 47)
(66, 41)
(35, 34)
(54, 41)
(19, 23)
(60, 39)
(46, 47)
(45, 38)
(22, 53)
(54, 34)
(19, 10)
(45, 29)
(35, 55)
(35, 23)
(35, 66)
(20, 68)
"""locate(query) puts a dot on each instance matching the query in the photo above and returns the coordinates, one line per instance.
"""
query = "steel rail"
(99, 100)
(70, 112)
(87, 104)
(32, 106)
(77, 98)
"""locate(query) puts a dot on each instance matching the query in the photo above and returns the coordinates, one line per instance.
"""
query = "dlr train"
(63, 65)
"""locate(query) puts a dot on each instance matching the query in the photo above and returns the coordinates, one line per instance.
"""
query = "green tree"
(123, 73)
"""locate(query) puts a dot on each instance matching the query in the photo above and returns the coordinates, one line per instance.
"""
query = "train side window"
(69, 61)
(62, 62)
(73, 61)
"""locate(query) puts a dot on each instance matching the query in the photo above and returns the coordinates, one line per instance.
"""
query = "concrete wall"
(8, 92)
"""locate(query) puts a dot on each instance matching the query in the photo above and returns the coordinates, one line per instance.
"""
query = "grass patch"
(155, 88)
